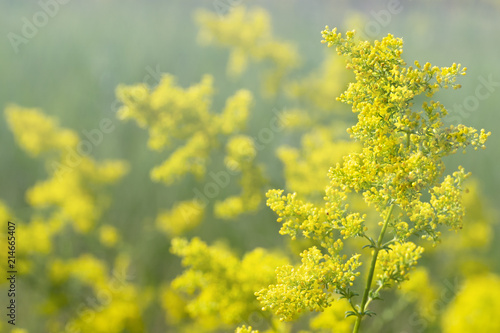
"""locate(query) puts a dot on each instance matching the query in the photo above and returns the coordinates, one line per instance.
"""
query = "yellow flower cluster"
(395, 263)
(475, 309)
(309, 286)
(184, 216)
(240, 157)
(444, 208)
(234, 116)
(249, 37)
(108, 235)
(240, 149)
(220, 284)
(114, 305)
(245, 329)
(321, 87)
(413, 289)
(182, 120)
(37, 133)
(68, 190)
(399, 168)
(478, 225)
(73, 195)
(316, 222)
(40, 232)
(166, 107)
(86, 268)
(173, 304)
(333, 318)
(191, 158)
(402, 147)
(305, 169)
(468, 260)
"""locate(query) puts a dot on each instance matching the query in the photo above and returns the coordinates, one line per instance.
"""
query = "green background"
(72, 65)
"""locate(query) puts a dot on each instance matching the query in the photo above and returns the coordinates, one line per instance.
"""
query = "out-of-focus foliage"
(142, 243)
(71, 189)
(476, 306)
(305, 168)
(401, 159)
(73, 196)
(247, 33)
(221, 283)
(182, 120)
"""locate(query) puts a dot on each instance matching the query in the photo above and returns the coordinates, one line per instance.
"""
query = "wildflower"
(183, 217)
(475, 308)
(400, 160)
(108, 235)
(221, 285)
(245, 329)
(182, 121)
(247, 33)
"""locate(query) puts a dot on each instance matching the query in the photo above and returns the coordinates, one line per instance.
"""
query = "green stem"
(364, 301)
(371, 299)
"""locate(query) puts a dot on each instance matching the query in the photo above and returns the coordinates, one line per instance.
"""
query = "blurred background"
(69, 62)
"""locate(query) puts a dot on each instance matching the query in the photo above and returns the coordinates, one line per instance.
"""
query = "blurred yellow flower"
(247, 33)
(37, 133)
(184, 216)
(475, 308)
(333, 318)
(108, 235)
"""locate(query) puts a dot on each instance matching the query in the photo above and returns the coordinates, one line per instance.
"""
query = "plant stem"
(369, 280)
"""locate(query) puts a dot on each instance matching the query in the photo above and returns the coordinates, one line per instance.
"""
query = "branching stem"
(369, 280)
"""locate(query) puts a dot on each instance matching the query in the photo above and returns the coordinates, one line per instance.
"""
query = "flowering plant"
(399, 172)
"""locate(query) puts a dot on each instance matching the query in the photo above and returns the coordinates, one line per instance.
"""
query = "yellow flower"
(19, 330)
(245, 329)
(184, 216)
(400, 160)
(412, 290)
(220, 286)
(67, 190)
(182, 120)
(108, 235)
(309, 286)
(247, 33)
(170, 112)
(173, 304)
(333, 318)
(305, 169)
(395, 263)
(37, 133)
(475, 308)
(240, 157)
